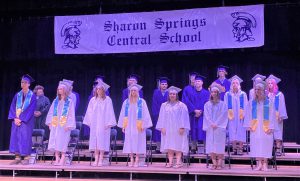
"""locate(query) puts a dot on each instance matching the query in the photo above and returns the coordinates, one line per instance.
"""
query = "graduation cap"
(174, 89)
(68, 81)
(28, 78)
(277, 80)
(133, 76)
(101, 77)
(216, 86)
(64, 83)
(163, 79)
(139, 87)
(260, 83)
(258, 76)
(102, 84)
(222, 67)
(235, 77)
(200, 77)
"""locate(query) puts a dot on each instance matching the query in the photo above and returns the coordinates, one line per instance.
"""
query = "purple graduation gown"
(21, 136)
(187, 99)
(125, 93)
(226, 83)
(77, 101)
(198, 99)
(157, 99)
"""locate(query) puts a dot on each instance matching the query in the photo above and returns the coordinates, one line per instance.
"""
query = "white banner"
(192, 29)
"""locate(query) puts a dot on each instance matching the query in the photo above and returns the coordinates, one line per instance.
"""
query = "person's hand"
(214, 126)
(163, 131)
(37, 113)
(181, 131)
(67, 129)
(269, 131)
(17, 122)
(123, 130)
(197, 113)
(50, 127)
(280, 120)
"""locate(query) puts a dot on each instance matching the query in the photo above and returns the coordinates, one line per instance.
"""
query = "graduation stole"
(21, 107)
(139, 112)
(276, 102)
(64, 115)
(230, 110)
(266, 121)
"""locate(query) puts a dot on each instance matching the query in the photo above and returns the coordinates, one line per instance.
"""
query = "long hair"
(256, 98)
(212, 99)
(133, 100)
(95, 92)
(66, 92)
(231, 87)
(275, 87)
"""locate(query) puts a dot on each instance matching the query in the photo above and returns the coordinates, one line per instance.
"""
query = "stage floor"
(155, 168)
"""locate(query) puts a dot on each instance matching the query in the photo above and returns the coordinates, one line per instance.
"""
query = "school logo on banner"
(242, 26)
(71, 34)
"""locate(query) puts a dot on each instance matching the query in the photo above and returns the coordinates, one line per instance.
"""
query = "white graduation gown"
(100, 117)
(278, 133)
(172, 117)
(235, 126)
(215, 138)
(135, 141)
(59, 138)
(74, 99)
(261, 144)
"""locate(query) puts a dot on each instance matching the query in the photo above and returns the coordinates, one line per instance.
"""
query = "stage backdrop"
(27, 46)
(192, 29)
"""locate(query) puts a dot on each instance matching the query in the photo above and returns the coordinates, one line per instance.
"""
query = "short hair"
(37, 87)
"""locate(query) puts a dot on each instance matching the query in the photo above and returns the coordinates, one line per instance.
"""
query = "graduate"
(187, 100)
(41, 110)
(173, 122)
(277, 97)
(236, 101)
(61, 120)
(98, 79)
(214, 123)
(100, 117)
(21, 113)
(222, 71)
(160, 95)
(199, 97)
(257, 77)
(260, 120)
(73, 95)
(131, 79)
(134, 120)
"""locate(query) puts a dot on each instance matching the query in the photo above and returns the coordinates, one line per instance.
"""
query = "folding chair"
(112, 148)
(38, 142)
(73, 144)
(149, 145)
(226, 157)
(273, 159)
(186, 158)
(80, 144)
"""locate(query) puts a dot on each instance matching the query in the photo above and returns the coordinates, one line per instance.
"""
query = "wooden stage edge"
(156, 168)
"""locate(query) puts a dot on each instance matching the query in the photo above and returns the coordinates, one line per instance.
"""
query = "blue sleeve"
(12, 110)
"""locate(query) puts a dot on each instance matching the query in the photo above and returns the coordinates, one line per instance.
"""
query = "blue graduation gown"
(157, 99)
(21, 136)
(226, 83)
(198, 99)
(125, 93)
(77, 101)
(187, 99)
